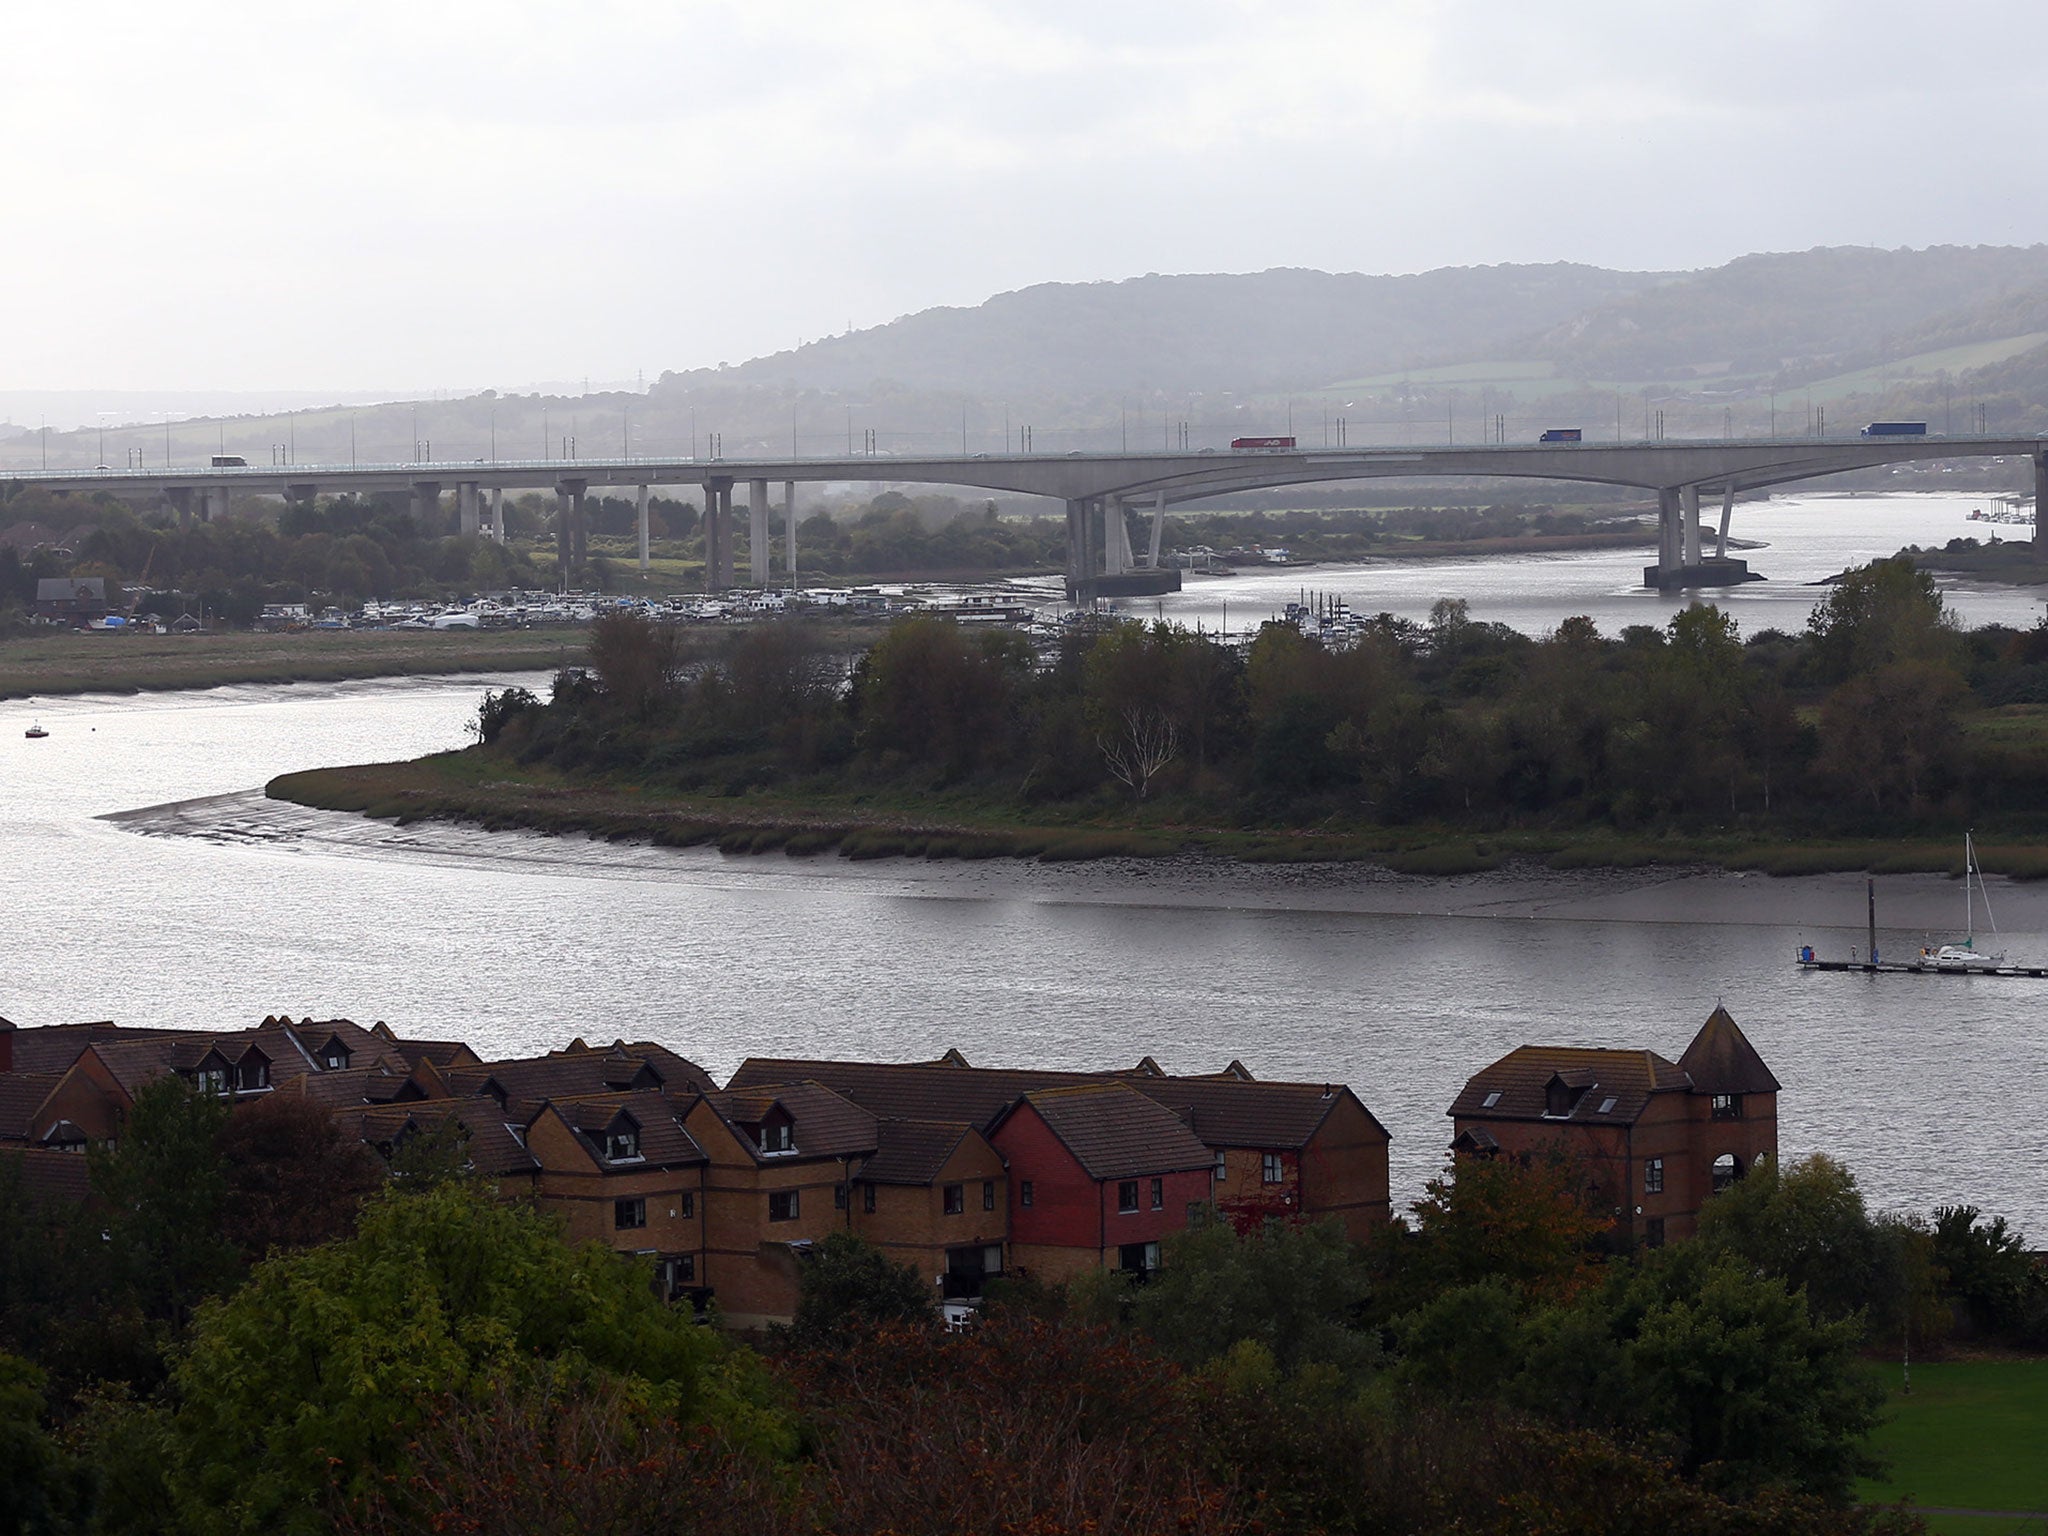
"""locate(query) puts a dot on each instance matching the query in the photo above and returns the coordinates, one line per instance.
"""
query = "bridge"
(1098, 489)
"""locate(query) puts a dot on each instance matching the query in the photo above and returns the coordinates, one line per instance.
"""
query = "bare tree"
(1143, 742)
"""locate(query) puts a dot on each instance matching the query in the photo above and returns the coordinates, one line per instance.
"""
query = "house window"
(622, 1143)
(1138, 1258)
(1222, 1167)
(686, 1205)
(335, 1056)
(838, 1197)
(867, 1198)
(1159, 1194)
(213, 1080)
(678, 1272)
(956, 1201)
(1272, 1168)
(1607, 1105)
(1490, 1100)
(1653, 1232)
(1127, 1197)
(782, 1205)
(1727, 1106)
(988, 1194)
(1726, 1171)
(253, 1073)
(778, 1137)
(1558, 1100)
(1024, 1194)
(628, 1214)
(1653, 1176)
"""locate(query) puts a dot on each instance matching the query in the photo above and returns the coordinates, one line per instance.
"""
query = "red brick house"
(1656, 1138)
(1099, 1175)
(1291, 1150)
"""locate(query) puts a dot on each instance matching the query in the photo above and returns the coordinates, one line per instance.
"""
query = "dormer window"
(252, 1073)
(1558, 1098)
(334, 1055)
(622, 1142)
(212, 1079)
(778, 1136)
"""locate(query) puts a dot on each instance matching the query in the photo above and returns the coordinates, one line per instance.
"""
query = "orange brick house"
(1656, 1138)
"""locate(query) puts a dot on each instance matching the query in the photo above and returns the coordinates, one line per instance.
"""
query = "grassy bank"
(122, 663)
(1970, 1436)
(485, 790)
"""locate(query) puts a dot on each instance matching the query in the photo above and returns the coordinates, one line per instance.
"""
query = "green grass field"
(1973, 1435)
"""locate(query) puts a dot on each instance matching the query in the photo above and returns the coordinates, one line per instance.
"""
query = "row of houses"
(964, 1173)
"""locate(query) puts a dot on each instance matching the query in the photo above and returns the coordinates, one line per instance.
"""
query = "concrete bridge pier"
(1116, 537)
(1158, 526)
(1080, 557)
(466, 502)
(717, 535)
(569, 541)
(179, 499)
(2041, 497)
(640, 509)
(498, 513)
(426, 505)
(217, 503)
(1727, 511)
(789, 531)
(1689, 499)
(302, 495)
(757, 533)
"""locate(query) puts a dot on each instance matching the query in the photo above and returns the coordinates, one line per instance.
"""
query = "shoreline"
(1520, 891)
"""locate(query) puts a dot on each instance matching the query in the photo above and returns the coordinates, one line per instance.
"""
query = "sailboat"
(1966, 956)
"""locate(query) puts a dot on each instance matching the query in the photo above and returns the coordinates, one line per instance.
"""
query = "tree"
(637, 661)
(1296, 1289)
(1885, 612)
(29, 1464)
(1756, 1390)
(1989, 1270)
(1805, 1224)
(329, 1361)
(163, 1189)
(847, 1286)
(290, 1177)
(1888, 736)
(1531, 1226)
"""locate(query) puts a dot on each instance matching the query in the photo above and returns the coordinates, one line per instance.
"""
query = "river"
(146, 880)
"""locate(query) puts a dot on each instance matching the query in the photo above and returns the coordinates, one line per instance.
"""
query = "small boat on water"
(35, 732)
(1966, 956)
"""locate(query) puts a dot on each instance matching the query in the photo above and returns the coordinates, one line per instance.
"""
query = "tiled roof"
(1116, 1132)
(351, 1085)
(576, 1072)
(54, 1047)
(1225, 1110)
(492, 1147)
(1721, 1059)
(663, 1141)
(1522, 1079)
(825, 1124)
(913, 1151)
(21, 1095)
(55, 1178)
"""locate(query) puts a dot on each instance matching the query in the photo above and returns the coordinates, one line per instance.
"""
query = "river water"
(1801, 539)
(146, 880)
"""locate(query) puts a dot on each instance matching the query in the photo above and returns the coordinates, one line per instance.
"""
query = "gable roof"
(913, 1151)
(54, 1047)
(1721, 1059)
(21, 1095)
(578, 1071)
(663, 1141)
(47, 1177)
(1522, 1079)
(827, 1124)
(492, 1147)
(1114, 1131)
(1224, 1109)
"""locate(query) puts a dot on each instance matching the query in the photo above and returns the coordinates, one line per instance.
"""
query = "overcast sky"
(455, 194)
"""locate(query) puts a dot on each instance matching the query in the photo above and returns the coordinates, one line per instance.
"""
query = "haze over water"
(219, 912)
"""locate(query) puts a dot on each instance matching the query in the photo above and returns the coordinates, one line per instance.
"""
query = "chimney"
(6, 1046)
